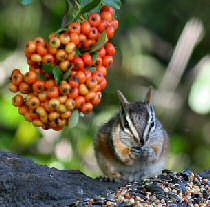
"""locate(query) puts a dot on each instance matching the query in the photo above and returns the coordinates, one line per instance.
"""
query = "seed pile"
(169, 189)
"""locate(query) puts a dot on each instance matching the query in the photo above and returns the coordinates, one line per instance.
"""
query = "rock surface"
(24, 183)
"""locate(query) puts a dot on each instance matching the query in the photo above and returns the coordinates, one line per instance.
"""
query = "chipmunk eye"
(126, 125)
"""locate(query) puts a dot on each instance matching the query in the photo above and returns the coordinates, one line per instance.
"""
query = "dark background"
(149, 31)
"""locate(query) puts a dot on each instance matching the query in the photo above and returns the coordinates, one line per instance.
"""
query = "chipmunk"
(133, 144)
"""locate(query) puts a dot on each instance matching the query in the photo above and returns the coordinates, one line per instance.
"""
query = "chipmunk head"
(137, 120)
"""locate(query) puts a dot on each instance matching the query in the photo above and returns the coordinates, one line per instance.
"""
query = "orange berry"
(83, 90)
(103, 26)
(74, 28)
(30, 77)
(74, 38)
(37, 123)
(70, 47)
(106, 16)
(90, 96)
(28, 116)
(33, 113)
(98, 76)
(108, 9)
(64, 38)
(74, 92)
(55, 42)
(107, 61)
(61, 55)
(81, 76)
(66, 115)
(44, 119)
(115, 24)
(65, 88)
(30, 47)
(70, 104)
(98, 61)
(92, 83)
(50, 83)
(53, 115)
(41, 49)
(39, 86)
(52, 50)
(42, 96)
(62, 99)
(13, 88)
(36, 58)
(103, 84)
(33, 102)
(110, 32)
(53, 92)
(79, 101)
(74, 81)
(102, 52)
(64, 65)
(87, 73)
(78, 63)
(93, 33)
(17, 78)
(95, 19)
(102, 70)
(87, 108)
(97, 99)
(82, 38)
(48, 59)
(24, 88)
(23, 109)
(85, 28)
(39, 40)
(62, 108)
(18, 100)
(40, 110)
(71, 56)
(87, 59)
(110, 49)
(54, 103)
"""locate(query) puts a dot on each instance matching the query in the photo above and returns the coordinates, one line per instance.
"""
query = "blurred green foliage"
(149, 30)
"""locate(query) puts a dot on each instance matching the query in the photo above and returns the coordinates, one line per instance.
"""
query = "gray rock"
(24, 183)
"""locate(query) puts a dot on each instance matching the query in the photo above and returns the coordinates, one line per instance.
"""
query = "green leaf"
(84, 2)
(42, 77)
(93, 4)
(48, 68)
(92, 69)
(78, 52)
(73, 121)
(113, 3)
(25, 2)
(67, 74)
(58, 75)
(101, 42)
(95, 57)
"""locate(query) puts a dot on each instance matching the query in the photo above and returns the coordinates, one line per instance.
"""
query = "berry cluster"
(76, 76)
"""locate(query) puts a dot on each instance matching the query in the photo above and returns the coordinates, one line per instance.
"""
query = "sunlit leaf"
(73, 121)
(25, 2)
(48, 68)
(101, 42)
(114, 3)
(58, 75)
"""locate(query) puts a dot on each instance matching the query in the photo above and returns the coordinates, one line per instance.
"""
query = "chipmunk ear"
(123, 100)
(148, 97)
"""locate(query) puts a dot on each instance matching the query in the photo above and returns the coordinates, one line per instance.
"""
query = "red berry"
(78, 63)
(108, 9)
(86, 28)
(74, 28)
(107, 61)
(87, 108)
(110, 49)
(88, 61)
(95, 20)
